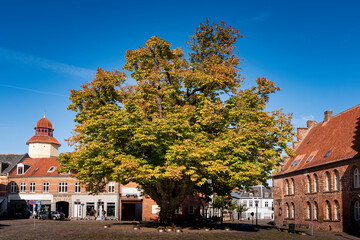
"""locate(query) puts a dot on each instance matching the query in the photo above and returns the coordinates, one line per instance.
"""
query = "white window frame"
(23, 187)
(308, 183)
(63, 187)
(292, 210)
(328, 210)
(266, 204)
(111, 187)
(327, 181)
(287, 209)
(337, 210)
(308, 208)
(316, 210)
(292, 187)
(13, 187)
(287, 185)
(32, 187)
(20, 169)
(46, 187)
(77, 187)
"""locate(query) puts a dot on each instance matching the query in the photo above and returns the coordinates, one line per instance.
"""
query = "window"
(316, 210)
(357, 211)
(309, 159)
(32, 187)
(336, 180)
(327, 181)
(292, 210)
(316, 183)
(308, 184)
(51, 169)
(90, 207)
(337, 210)
(111, 187)
(292, 186)
(250, 203)
(308, 210)
(328, 210)
(20, 169)
(287, 187)
(191, 210)
(177, 211)
(13, 187)
(23, 187)
(287, 210)
(266, 204)
(356, 178)
(45, 187)
(110, 209)
(245, 203)
(63, 187)
(77, 187)
(327, 154)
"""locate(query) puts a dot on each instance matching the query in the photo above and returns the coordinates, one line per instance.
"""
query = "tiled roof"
(8, 161)
(43, 139)
(44, 123)
(39, 167)
(340, 135)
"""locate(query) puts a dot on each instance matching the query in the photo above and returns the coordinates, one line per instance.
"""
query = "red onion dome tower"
(43, 144)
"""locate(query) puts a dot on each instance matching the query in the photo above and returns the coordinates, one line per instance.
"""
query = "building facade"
(321, 184)
(259, 202)
(34, 178)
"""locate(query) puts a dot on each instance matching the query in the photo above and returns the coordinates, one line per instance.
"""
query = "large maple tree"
(187, 125)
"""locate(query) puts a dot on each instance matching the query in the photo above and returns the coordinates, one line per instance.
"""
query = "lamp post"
(312, 214)
(279, 213)
(256, 216)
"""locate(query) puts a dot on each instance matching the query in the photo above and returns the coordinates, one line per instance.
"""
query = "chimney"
(327, 115)
(311, 123)
(301, 132)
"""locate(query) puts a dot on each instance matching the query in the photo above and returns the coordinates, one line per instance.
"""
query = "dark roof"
(9, 161)
(266, 193)
(39, 167)
(327, 142)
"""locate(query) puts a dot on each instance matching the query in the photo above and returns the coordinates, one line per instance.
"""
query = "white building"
(259, 200)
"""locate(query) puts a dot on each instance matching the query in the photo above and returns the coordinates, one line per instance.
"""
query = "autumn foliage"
(186, 125)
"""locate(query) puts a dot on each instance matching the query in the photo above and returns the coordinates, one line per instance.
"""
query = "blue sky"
(308, 48)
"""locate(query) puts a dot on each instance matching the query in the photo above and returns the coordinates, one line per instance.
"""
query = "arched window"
(337, 210)
(287, 190)
(357, 211)
(328, 210)
(316, 183)
(292, 210)
(316, 210)
(308, 184)
(287, 210)
(356, 178)
(308, 210)
(292, 186)
(327, 181)
(336, 180)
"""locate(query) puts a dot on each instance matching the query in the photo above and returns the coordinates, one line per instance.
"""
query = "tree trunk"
(169, 195)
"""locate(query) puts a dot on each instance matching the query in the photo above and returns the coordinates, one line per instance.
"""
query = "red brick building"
(35, 177)
(322, 181)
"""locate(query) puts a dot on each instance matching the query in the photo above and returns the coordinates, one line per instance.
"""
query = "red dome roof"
(44, 123)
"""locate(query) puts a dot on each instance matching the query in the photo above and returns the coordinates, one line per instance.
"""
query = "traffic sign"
(31, 202)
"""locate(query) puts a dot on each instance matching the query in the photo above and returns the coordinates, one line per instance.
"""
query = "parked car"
(55, 215)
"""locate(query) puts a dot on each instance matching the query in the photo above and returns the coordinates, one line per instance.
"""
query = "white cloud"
(28, 59)
(301, 122)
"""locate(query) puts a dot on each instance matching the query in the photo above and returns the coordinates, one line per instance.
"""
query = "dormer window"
(20, 169)
(51, 169)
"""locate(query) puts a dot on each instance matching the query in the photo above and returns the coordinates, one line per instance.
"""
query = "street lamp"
(256, 217)
(312, 214)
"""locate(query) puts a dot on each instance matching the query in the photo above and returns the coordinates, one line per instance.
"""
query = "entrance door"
(77, 209)
(63, 207)
(131, 211)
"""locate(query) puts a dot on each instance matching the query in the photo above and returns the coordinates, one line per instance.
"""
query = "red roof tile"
(340, 134)
(39, 167)
(43, 139)
(44, 123)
